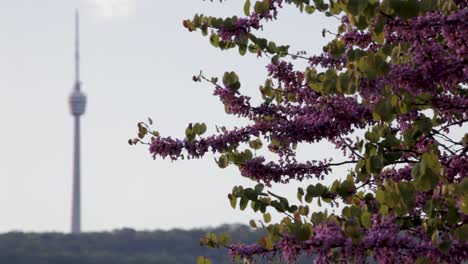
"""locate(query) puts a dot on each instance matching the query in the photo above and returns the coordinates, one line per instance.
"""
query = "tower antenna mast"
(77, 48)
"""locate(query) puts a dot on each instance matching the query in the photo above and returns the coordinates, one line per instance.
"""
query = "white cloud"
(113, 8)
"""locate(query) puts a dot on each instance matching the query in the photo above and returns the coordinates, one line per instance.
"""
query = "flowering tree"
(388, 91)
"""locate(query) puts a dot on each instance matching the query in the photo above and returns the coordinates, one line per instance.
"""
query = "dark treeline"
(124, 246)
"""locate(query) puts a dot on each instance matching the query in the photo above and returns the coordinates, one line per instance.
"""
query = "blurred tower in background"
(77, 102)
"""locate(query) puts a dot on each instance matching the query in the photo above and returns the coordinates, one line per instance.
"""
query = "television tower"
(77, 102)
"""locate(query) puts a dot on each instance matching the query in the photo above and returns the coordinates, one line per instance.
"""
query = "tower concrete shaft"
(77, 102)
(76, 199)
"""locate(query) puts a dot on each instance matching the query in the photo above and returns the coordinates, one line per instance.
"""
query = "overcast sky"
(137, 62)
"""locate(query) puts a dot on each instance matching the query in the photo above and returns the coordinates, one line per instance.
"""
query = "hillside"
(124, 246)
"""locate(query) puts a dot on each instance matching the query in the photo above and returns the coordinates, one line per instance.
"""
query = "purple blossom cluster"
(397, 175)
(457, 167)
(242, 26)
(289, 249)
(357, 38)
(433, 63)
(325, 238)
(385, 239)
(267, 172)
(240, 29)
(327, 119)
(285, 74)
(246, 251)
(234, 102)
(174, 148)
(450, 106)
(325, 60)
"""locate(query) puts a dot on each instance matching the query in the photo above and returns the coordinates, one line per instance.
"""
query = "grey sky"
(137, 61)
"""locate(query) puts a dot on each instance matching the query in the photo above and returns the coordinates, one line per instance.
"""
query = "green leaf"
(317, 190)
(320, 5)
(435, 237)
(391, 156)
(301, 232)
(214, 40)
(300, 194)
(453, 215)
(353, 231)
(256, 144)
(304, 210)
(424, 181)
(405, 8)
(335, 186)
(247, 155)
(203, 260)
(259, 188)
(266, 243)
(428, 207)
(232, 201)
(142, 130)
(262, 7)
(267, 217)
(346, 188)
(366, 219)
(336, 48)
(375, 164)
(378, 33)
(464, 204)
(380, 196)
(317, 218)
(383, 210)
(224, 239)
(231, 80)
(426, 172)
(355, 55)
(384, 111)
(309, 9)
(242, 49)
(407, 192)
(251, 194)
(445, 246)
(390, 141)
(358, 21)
(462, 187)
(155, 133)
(372, 136)
(293, 209)
(223, 161)
(461, 233)
(392, 198)
(346, 84)
(189, 131)
(199, 129)
(243, 203)
(247, 8)
(373, 66)
(272, 48)
(379, 38)
(355, 7)
(423, 126)
(200, 260)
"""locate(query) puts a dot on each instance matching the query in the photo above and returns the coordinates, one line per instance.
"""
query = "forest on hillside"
(123, 246)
